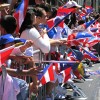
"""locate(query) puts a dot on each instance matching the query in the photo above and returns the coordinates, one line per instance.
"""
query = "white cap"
(70, 4)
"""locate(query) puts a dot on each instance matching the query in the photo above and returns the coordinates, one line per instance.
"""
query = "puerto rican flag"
(55, 20)
(20, 13)
(66, 74)
(92, 41)
(47, 75)
(86, 25)
(89, 55)
(4, 55)
(63, 11)
(89, 9)
(58, 20)
(78, 38)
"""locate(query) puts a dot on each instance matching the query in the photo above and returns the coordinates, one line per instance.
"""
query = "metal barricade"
(42, 90)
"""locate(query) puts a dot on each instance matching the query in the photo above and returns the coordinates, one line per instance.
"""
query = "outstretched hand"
(34, 71)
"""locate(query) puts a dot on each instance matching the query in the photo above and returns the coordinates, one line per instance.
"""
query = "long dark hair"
(28, 21)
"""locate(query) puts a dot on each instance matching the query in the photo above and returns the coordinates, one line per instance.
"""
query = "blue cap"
(19, 40)
(8, 38)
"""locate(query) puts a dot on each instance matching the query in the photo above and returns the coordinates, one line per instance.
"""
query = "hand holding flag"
(4, 54)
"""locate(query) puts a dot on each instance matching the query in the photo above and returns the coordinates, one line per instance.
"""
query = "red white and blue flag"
(89, 55)
(86, 25)
(20, 13)
(47, 75)
(89, 9)
(53, 21)
(4, 55)
(66, 74)
(79, 38)
(64, 11)
(58, 20)
(92, 41)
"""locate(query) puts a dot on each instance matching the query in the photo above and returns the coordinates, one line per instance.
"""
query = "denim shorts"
(24, 89)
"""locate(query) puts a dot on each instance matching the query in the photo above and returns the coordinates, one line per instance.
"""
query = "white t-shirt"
(41, 43)
(11, 89)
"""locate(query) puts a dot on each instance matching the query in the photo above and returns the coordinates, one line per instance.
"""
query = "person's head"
(53, 12)
(28, 21)
(41, 16)
(80, 22)
(8, 24)
(8, 40)
(39, 1)
(47, 8)
(71, 4)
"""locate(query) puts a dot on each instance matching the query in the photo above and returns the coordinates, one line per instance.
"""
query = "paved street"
(91, 87)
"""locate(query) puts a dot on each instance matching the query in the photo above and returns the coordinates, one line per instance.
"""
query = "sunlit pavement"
(91, 87)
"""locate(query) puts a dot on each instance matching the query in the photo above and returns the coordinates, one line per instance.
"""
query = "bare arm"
(26, 45)
(29, 72)
(13, 2)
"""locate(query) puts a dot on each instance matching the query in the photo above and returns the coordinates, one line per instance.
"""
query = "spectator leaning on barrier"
(28, 31)
(8, 40)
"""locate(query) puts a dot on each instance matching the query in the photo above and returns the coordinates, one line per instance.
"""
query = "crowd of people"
(56, 43)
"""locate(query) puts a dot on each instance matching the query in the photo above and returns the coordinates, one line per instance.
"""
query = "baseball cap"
(71, 4)
(8, 38)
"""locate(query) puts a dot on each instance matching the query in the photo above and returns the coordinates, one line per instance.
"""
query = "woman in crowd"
(30, 32)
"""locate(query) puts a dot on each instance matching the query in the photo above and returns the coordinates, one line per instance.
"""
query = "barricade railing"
(42, 90)
(42, 62)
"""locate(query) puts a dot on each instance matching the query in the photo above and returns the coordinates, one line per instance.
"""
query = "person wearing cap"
(8, 25)
(71, 4)
(9, 40)
(6, 41)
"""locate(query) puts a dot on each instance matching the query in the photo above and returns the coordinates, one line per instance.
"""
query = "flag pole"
(60, 1)
(55, 61)
(88, 51)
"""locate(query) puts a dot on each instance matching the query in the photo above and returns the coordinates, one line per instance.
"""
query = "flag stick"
(55, 61)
